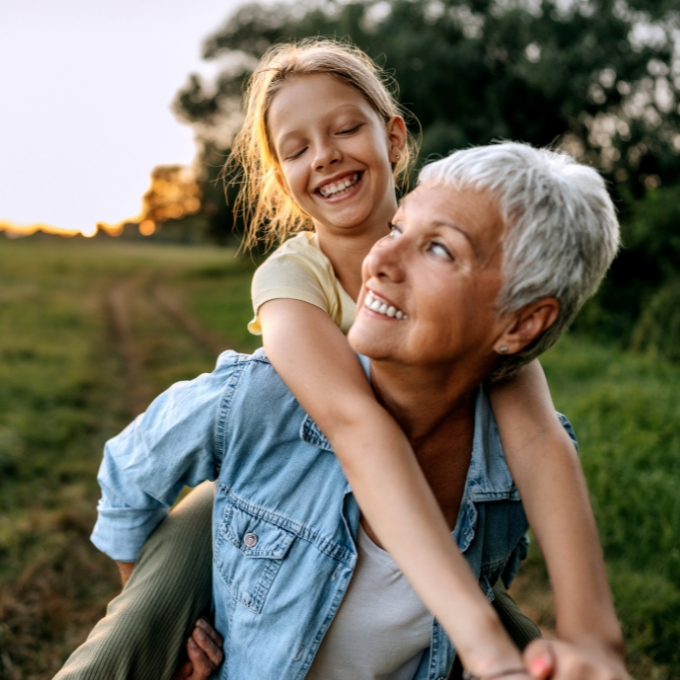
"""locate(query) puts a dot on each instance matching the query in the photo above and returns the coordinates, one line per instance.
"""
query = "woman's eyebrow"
(460, 230)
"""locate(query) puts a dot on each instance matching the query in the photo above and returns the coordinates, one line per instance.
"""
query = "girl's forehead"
(311, 100)
(313, 96)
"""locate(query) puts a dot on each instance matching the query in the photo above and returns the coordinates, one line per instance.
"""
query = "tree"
(598, 77)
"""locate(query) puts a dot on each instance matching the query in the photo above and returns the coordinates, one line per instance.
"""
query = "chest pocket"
(250, 551)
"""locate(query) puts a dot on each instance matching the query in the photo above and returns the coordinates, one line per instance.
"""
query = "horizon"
(89, 113)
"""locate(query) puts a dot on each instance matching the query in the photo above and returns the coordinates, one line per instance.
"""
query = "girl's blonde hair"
(270, 214)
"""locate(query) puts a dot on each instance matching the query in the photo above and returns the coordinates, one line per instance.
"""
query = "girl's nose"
(326, 155)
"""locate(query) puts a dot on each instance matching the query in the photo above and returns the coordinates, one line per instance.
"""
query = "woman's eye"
(439, 250)
(395, 230)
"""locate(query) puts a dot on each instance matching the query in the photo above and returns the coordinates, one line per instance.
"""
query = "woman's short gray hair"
(561, 232)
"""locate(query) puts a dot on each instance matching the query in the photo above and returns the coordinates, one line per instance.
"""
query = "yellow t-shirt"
(298, 270)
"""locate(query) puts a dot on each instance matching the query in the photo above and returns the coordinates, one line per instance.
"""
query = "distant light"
(147, 227)
(111, 229)
(89, 232)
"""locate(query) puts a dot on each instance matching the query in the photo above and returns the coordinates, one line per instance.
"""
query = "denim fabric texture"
(285, 521)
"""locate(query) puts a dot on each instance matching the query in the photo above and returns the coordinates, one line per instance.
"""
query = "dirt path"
(117, 304)
(175, 310)
(132, 356)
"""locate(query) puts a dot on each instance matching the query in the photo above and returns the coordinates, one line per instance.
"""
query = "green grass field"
(91, 331)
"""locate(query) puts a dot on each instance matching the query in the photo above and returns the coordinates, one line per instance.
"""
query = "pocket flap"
(255, 536)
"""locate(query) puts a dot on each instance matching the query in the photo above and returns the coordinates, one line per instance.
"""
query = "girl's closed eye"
(351, 130)
(296, 154)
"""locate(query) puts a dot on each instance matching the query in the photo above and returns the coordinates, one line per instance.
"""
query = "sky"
(85, 95)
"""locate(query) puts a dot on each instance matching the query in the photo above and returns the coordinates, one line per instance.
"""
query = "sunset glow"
(90, 115)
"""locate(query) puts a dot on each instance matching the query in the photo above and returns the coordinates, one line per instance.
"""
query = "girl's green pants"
(144, 633)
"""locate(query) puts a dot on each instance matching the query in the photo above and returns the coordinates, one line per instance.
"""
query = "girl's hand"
(204, 649)
(566, 661)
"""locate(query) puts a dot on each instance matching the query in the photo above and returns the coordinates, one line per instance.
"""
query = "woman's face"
(430, 287)
(335, 152)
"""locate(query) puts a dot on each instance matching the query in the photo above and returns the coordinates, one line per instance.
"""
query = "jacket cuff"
(121, 533)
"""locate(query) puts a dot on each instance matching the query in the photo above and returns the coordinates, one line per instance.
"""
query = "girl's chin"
(344, 217)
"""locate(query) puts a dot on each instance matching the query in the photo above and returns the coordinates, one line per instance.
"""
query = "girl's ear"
(527, 324)
(396, 137)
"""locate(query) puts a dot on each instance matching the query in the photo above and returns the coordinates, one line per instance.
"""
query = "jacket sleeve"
(175, 443)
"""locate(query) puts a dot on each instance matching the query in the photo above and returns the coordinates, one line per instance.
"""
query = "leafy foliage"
(477, 70)
(625, 410)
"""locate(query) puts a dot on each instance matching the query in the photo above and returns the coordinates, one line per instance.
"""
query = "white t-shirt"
(381, 629)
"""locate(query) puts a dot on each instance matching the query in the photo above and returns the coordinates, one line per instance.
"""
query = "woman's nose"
(388, 258)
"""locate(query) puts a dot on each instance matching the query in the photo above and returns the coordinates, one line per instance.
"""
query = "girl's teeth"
(383, 308)
(337, 187)
(399, 314)
(375, 305)
(391, 311)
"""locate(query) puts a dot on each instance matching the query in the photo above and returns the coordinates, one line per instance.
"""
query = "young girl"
(321, 148)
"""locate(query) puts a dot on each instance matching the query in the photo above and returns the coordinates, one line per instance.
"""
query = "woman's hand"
(556, 660)
(204, 649)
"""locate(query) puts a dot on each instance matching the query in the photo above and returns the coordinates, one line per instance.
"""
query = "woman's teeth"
(381, 307)
(336, 188)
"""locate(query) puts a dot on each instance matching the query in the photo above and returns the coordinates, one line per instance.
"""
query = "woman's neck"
(437, 416)
(424, 400)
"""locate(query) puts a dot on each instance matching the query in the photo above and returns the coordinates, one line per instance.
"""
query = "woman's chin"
(367, 341)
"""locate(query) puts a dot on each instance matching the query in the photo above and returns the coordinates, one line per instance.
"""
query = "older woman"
(490, 258)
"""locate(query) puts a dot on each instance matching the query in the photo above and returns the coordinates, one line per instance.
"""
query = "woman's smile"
(382, 307)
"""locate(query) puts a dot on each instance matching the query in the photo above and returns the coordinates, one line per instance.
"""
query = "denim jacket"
(285, 521)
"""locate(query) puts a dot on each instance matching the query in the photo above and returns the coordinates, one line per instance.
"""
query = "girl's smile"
(342, 187)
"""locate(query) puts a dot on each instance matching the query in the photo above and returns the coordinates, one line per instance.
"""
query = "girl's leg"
(144, 633)
(519, 627)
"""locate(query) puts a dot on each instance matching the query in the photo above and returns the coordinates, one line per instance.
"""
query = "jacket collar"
(488, 478)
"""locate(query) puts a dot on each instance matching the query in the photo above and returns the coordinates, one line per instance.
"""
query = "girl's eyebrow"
(290, 135)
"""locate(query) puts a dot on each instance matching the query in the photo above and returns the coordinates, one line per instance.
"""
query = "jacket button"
(250, 540)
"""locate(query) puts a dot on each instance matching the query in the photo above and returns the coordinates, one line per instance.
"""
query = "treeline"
(596, 77)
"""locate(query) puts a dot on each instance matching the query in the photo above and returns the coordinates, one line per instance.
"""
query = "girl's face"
(335, 153)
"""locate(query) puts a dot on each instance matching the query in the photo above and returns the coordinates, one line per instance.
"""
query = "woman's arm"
(315, 361)
(545, 466)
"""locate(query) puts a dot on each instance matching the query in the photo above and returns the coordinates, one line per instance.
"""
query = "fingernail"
(191, 642)
(202, 623)
(539, 666)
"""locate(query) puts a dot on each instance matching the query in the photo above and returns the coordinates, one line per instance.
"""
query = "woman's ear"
(527, 324)
(396, 137)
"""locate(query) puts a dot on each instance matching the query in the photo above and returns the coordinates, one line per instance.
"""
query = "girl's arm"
(315, 361)
(545, 466)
